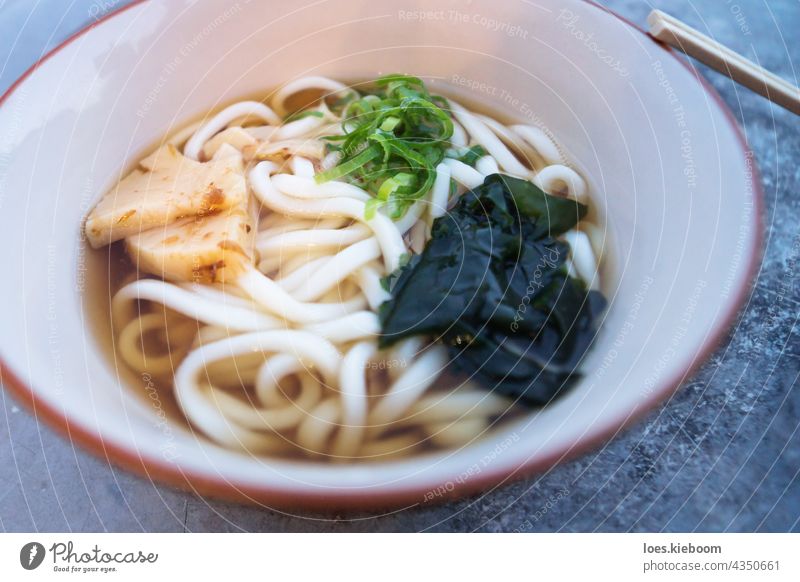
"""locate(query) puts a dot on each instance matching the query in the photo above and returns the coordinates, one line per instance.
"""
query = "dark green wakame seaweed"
(492, 285)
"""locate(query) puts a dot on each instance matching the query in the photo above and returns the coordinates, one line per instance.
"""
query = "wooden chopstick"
(719, 57)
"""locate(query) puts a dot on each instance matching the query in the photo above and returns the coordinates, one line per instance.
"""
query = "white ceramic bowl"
(672, 177)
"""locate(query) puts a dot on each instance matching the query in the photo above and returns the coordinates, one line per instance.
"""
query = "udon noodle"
(279, 355)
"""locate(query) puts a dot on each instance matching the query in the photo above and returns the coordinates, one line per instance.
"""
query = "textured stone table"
(722, 455)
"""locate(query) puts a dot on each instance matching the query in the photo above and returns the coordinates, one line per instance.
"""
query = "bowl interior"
(670, 177)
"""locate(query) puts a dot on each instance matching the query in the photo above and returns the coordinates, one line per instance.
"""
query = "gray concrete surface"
(722, 455)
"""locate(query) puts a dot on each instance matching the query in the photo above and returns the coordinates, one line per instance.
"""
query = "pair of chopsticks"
(686, 39)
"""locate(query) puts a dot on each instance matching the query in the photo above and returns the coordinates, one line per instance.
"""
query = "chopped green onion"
(391, 185)
(348, 167)
(394, 138)
(371, 207)
(390, 123)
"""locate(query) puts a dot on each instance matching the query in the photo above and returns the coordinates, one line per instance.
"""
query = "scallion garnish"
(394, 138)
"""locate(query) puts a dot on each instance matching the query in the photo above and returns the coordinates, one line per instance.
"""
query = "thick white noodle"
(272, 297)
(351, 327)
(313, 237)
(353, 383)
(459, 138)
(541, 142)
(315, 429)
(330, 160)
(385, 231)
(440, 195)
(556, 177)
(304, 84)
(407, 350)
(193, 305)
(261, 132)
(487, 165)
(282, 265)
(271, 373)
(220, 292)
(464, 174)
(486, 137)
(409, 387)
(411, 216)
(302, 167)
(252, 416)
(511, 139)
(369, 280)
(130, 345)
(221, 120)
(291, 278)
(582, 255)
(299, 128)
(459, 403)
(268, 228)
(457, 433)
(303, 187)
(597, 236)
(197, 401)
(342, 265)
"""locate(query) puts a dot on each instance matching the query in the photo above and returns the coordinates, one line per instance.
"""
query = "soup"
(351, 274)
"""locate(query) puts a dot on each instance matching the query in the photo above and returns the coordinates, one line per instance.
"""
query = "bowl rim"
(157, 470)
